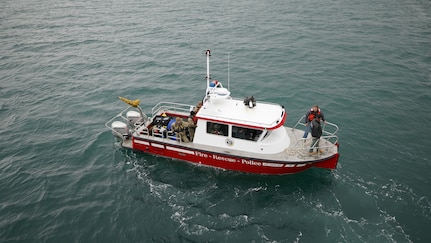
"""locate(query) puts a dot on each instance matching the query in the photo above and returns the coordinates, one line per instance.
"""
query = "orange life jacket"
(312, 114)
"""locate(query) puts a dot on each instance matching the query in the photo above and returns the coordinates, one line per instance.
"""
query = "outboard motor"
(120, 129)
(133, 117)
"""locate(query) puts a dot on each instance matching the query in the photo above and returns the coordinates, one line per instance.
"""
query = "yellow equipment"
(134, 103)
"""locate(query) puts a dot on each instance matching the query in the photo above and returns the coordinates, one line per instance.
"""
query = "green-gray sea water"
(64, 63)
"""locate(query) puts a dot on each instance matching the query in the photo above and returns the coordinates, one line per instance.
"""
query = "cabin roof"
(233, 111)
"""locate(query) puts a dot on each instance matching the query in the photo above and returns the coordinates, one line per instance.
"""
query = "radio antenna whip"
(228, 72)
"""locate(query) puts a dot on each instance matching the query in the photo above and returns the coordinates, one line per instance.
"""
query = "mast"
(208, 53)
(228, 72)
(216, 90)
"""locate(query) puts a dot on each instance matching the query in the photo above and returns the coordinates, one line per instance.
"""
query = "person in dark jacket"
(311, 114)
(316, 133)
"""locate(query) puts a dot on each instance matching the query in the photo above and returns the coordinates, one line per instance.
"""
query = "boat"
(245, 135)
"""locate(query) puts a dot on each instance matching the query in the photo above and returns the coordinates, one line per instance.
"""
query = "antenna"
(208, 54)
(228, 72)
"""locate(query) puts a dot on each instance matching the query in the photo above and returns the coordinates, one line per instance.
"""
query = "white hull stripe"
(141, 142)
(180, 150)
(294, 165)
(158, 145)
(272, 164)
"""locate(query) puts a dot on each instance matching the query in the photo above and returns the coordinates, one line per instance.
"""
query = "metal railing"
(329, 131)
(120, 116)
(170, 107)
(140, 126)
(163, 133)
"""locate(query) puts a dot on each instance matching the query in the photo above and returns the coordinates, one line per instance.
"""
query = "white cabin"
(234, 124)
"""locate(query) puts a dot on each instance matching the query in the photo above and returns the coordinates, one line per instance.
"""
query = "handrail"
(141, 128)
(327, 134)
(119, 115)
(334, 126)
(170, 106)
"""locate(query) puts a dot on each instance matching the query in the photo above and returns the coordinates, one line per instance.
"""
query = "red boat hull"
(229, 162)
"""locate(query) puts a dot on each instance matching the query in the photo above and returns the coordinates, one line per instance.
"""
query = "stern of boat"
(325, 155)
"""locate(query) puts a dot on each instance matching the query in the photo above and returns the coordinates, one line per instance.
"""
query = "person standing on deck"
(192, 128)
(196, 109)
(311, 114)
(179, 127)
(316, 133)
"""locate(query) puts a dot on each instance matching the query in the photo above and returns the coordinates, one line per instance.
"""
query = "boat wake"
(219, 206)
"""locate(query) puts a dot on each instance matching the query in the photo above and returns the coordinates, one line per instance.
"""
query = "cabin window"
(217, 128)
(246, 133)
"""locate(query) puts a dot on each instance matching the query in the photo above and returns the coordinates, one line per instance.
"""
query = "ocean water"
(63, 178)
